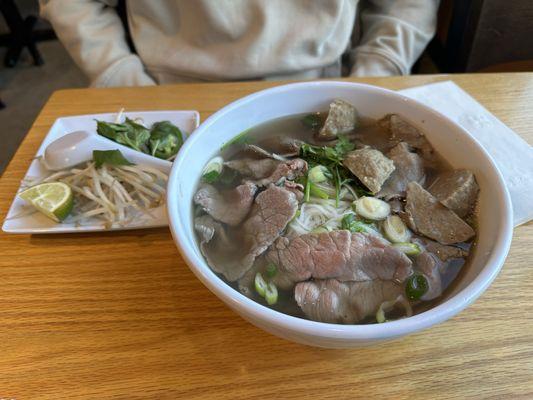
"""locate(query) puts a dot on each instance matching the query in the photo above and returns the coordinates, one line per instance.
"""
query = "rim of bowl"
(439, 313)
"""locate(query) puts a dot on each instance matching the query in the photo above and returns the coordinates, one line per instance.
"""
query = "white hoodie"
(195, 40)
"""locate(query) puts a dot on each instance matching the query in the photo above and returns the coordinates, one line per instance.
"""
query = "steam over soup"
(334, 217)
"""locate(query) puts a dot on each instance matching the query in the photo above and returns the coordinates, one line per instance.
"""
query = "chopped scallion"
(271, 294)
(271, 270)
(260, 285)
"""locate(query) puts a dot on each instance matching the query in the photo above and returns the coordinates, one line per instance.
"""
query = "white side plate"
(187, 121)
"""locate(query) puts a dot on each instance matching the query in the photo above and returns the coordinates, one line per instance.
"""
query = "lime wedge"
(54, 199)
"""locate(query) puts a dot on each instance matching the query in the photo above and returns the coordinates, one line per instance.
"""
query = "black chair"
(21, 34)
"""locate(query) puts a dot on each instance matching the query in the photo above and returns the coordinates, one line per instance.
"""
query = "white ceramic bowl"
(450, 140)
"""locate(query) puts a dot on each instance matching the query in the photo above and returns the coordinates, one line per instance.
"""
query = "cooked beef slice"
(370, 166)
(216, 244)
(344, 302)
(342, 118)
(430, 266)
(296, 188)
(457, 190)
(252, 168)
(339, 255)
(396, 205)
(402, 131)
(233, 251)
(443, 252)
(282, 145)
(427, 216)
(272, 211)
(228, 206)
(409, 167)
(289, 170)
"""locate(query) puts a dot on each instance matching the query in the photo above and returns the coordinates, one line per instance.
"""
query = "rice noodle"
(110, 194)
(318, 213)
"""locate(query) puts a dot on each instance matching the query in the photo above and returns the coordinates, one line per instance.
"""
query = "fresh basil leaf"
(108, 129)
(111, 157)
(165, 140)
(130, 133)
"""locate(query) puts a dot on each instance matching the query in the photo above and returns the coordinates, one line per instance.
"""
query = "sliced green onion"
(271, 294)
(307, 192)
(417, 286)
(349, 223)
(395, 230)
(271, 270)
(372, 208)
(213, 169)
(260, 285)
(317, 192)
(318, 174)
(410, 249)
(241, 138)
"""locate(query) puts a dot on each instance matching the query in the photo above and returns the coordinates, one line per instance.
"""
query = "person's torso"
(236, 39)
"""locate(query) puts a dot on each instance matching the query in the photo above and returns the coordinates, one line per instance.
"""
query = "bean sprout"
(109, 194)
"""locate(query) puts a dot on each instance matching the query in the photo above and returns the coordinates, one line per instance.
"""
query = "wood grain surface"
(119, 315)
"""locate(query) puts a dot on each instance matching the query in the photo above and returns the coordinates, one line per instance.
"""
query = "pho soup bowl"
(494, 211)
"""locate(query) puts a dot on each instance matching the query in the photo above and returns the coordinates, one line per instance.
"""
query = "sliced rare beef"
(344, 302)
(443, 252)
(216, 244)
(342, 118)
(409, 167)
(370, 166)
(252, 168)
(296, 188)
(270, 214)
(339, 255)
(427, 216)
(228, 206)
(289, 170)
(457, 190)
(402, 131)
(272, 211)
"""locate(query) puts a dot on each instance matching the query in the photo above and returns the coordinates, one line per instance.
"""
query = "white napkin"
(512, 154)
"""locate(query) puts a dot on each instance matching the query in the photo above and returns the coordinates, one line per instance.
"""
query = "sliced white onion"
(372, 208)
(395, 230)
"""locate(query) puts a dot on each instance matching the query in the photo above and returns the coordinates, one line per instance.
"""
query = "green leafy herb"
(165, 140)
(312, 121)
(129, 133)
(241, 138)
(111, 157)
(343, 146)
(331, 157)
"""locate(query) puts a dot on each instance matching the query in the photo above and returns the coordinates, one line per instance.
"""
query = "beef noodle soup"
(334, 217)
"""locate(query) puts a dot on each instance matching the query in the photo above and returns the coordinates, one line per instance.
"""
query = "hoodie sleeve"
(93, 35)
(394, 34)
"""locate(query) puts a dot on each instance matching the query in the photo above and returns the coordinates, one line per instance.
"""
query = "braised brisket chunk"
(427, 216)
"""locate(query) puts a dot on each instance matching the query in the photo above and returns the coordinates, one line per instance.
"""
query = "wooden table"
(119, 315)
